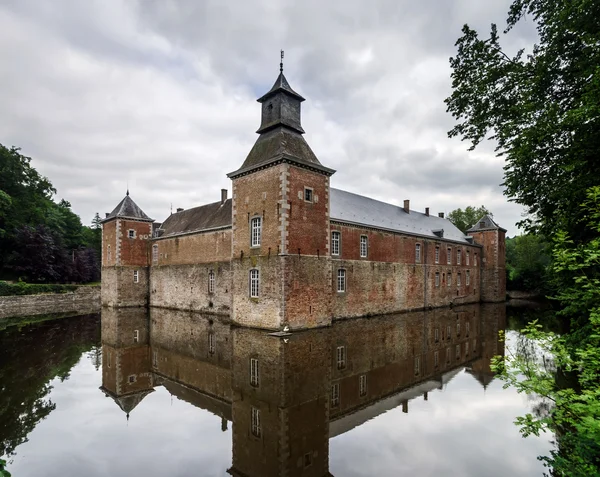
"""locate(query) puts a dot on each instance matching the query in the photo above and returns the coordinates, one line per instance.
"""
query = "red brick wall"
(194, 248)
(133, 251)
(109, 237)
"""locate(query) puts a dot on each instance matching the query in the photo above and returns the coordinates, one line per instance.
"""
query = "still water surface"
(170, 393)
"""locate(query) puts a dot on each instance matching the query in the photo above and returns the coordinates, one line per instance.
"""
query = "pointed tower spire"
(281, 64)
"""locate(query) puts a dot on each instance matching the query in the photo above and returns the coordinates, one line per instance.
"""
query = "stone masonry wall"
(493, 264)
(119, 288)
(85, 299)
(192, 249)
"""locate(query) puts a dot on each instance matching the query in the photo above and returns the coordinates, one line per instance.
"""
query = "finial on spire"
(281, 64)
(127, 187)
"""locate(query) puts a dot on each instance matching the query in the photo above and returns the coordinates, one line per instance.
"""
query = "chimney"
(441, 215)
(407, 206)
(179, 209)
(223, 195)
(427, 211)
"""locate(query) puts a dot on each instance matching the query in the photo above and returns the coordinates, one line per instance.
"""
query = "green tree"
(527, 263)
(465, 219)
(542, 109)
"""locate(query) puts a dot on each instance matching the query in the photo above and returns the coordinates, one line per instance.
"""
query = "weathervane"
(281, 64)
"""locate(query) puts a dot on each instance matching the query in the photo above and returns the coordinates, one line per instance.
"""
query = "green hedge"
(22, 288)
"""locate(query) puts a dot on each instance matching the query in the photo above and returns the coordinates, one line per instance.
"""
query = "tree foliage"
(465, 219)
(527, 263)
(542, 109)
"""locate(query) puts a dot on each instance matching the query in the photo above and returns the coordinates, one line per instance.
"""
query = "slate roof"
(209, 216)
(281, 84)
(357, 209)
(277, 144)
(128, 209)
(485, 223)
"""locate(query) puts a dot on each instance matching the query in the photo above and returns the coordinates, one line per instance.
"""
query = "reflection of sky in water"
(461, 430)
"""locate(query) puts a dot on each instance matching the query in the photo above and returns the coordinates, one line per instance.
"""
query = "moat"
(130, 392)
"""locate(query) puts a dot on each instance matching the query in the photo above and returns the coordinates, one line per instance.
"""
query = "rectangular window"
(155, 359)
(363, 246)
(449, 282)
(437, 279)
(458, 280)
(436, 335)
(132, 379)
(256, 431)
(417, 365)
(211, 281)
(437, 254)
(466, 348)
(254, 283)
(457, 329)
(362, 385)
(255, 231)
(108, 357)
(308, 194)
(468, 277)
(136, 336)
(468, 328)
(448, 332)
(131, 233)
(109, 253)
(307, 459)
(474, 344)
(418, 253)
(341, 357)
(155, 253)
(341, 280)
(457, 352)
(447, 355)
(335, 243)
(436, 358)
(468, 257)
(211, 343)
(136, 276)
(458, 256)
(449, 256)
(335, 394)
(475, 259)
(254, 372)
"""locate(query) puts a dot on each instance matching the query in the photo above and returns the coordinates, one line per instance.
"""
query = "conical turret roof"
(128, 209)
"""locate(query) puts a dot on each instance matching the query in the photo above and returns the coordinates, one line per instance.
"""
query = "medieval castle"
(287, 250)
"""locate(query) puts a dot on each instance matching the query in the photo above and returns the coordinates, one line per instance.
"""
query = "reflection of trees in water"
(31, 356)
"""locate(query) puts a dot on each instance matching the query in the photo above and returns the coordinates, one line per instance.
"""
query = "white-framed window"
(155, 253)
(308, 194)
(417, 365)
(449, 281)
(458, 280)
(468, 258)
(364, 245)
(341, 280)
(468, 277)
(335, 394)
(449, 256)
(255, 231)
(136, 276)
(436, 335)
(131, 233)
(437, 254)
(108, 253)
(418, 253)
(458, 329)
(254, 372)
(467, 328)
(341, 357)
(254, 283)
(136, 336)
(448, 332)
(362, 385)
(457, 352)
(458, 256)
(211, 281)
(437, 279)
(211, 343)
(335, 242)
(255, 419)
(436, 358)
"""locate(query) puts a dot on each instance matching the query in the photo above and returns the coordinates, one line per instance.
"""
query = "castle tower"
(488, 233)
(125, 234)
(281, 269)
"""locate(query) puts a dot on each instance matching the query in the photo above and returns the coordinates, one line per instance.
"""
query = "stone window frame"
(136, 276)
(466, 348)
(335, 394)
(132, 378)
(448, 355)
(467, 258)
(254, 373)
(362, 385)
(340, 357)
(436, 335)
(131, 233)
(336, 251)
(468, 277)
(458, 328)
(457, 351)
(448, 332)
(475, 259)
(211, 282)
(458, 280)
(254, 283)
(467, 328)
(212, 344)
(449, 279)
(364, 243)
(255, 426)
(437, 254)
(309, 195)
(417, 253)
(458, 256)
(155, 253)
(136, 336)
(341, 280)
(449, 256)
(256, 231)
(437, 279)
(155, 359)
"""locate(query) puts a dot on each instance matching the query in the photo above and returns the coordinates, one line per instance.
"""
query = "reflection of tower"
(126, 375)
(280, 404)
(493, 320)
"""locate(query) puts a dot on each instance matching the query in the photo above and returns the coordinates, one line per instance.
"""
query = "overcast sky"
(161, 95)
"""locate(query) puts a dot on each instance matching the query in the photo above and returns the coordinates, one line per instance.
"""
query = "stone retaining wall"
(85, 299)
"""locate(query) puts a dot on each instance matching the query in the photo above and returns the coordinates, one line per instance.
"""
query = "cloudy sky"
(161, 95)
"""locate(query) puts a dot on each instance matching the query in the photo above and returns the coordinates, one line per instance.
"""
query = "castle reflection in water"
(285, 396)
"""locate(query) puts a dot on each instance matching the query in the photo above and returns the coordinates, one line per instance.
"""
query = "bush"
(22, 288)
